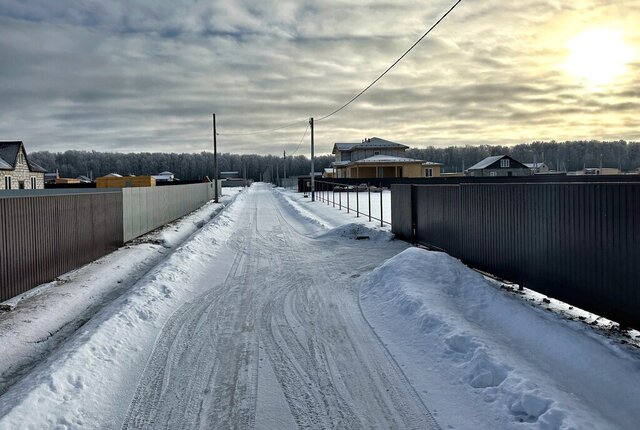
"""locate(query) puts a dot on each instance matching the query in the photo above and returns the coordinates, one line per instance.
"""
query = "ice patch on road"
(525, 368)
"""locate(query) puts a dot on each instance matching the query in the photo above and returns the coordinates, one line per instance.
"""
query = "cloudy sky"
(145, 75)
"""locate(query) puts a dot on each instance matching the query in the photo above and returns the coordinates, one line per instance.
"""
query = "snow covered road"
(280, 343)
(265, 332)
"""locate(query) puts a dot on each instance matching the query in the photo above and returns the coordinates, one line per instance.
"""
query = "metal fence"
(147, 208)
(574, 241)
(45, 233)
(44, 236)
(349, 199)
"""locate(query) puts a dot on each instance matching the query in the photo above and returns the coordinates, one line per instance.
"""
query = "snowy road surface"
(272, 336)
(280, 343)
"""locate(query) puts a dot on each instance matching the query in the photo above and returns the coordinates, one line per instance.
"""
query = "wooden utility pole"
(284, 157)
(313, 170)
(215, 160)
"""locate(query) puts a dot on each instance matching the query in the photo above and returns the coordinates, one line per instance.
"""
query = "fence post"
(334, 195)
(357, 203)
(414, 213)
(381, 216)
(369, 189)
(348, 200)
(339, 199)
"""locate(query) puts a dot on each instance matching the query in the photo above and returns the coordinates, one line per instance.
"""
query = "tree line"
(184, 166)
(562, 156)
(569, 156)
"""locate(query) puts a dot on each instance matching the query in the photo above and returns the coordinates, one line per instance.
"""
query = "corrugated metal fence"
(577, 242)
(145, 209)
(45, 233)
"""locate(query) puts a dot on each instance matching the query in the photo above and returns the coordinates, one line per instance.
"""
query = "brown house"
(374, 158)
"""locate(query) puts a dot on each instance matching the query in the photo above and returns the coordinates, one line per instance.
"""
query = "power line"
(270, 130)
(392, 65)
(303, 135)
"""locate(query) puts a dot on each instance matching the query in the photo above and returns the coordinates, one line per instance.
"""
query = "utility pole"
(284, 157)
(313, 170)
(215, 160)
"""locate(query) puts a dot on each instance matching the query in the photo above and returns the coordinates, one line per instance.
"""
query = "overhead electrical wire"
(354, 98)
(269, 130)
(301, 140)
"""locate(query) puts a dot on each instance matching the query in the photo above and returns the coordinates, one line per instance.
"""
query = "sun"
(598, 56)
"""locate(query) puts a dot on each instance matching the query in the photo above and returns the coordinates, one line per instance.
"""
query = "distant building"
(537, 167)
(374, 158)
(229, 175)
(164, 177)
(599, 171)
(499, 165)
(113, 180)
(328, 173)
(16, 171)
(84, 179)
(431, 169)
(67, 181)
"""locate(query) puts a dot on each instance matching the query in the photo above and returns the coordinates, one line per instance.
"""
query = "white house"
(164, 176)
(16, 171)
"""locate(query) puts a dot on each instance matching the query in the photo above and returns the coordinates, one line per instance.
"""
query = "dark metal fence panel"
(437, 216)
(577, 242)
(42, 237)
(401, 211)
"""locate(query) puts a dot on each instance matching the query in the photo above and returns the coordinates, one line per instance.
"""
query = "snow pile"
(71, 388)
(461, 342)
(35, 326)
(355, 231)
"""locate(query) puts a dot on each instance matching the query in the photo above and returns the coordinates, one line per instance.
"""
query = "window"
(493, 174)
(429, 172)
(21, 158)
(34, 183)
(376, 152)
(504, 162)
(7, 182)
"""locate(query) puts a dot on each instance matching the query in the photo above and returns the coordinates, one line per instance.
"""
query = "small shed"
(116, 181)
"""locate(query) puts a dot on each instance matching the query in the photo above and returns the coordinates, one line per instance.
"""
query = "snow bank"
(461, 341)
(357, 232)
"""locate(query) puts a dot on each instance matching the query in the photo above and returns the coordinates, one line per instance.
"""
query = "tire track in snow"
(293, 300)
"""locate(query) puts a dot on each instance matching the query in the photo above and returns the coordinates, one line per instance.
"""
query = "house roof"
(164, 173)
(431, 163)
(9, 155)
(36, 167)
(374, 142)
(386, 159)
(328, 170)
(486, 162)
(534, 165)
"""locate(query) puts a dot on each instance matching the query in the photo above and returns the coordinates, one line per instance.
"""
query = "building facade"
(374, 158)
(16, 171)
(499, 165)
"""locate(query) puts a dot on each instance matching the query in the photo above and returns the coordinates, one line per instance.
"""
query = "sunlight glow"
(598, 56)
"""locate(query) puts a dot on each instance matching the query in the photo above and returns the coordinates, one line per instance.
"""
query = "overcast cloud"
(146, 75)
